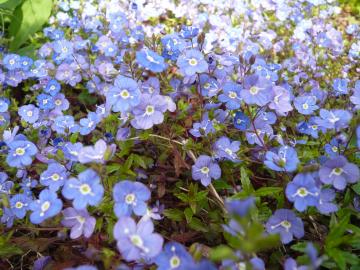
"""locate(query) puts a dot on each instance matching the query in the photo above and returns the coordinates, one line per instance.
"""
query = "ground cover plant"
(179, 134)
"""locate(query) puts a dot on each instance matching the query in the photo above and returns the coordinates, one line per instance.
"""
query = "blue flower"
(305, 104)
(150, 60)
(48, 205)
(65, 124)
(130, 197)
(203, 128)
(224, 148)
(310, 128)
(54, 177)
(80, 222)
(7, 217)
(339, 172)
(4, 118)
(95, 153)
(149, 112)
(257, 90)
(325, 203)
(124, 95)
(333, 148)
(25, 63)
(172, 46)
(191, 62)
(137, 241)
(28, 183)
(45, 102)
(302, 191)
(285, 223)
(106, 46)
(52, 87)
(71, 151)
(5, 186)
(189, 32)
(84, 190)
(285, 159)
(87, 125)
(61, 103)
(4, 104)
(340, 86)
(19, 204)
(209, 86)
(205, 169)
(20, 153)
(231, 95)
(174, 256)
(241, 121)
(29, 113)
(63, 48)
(333, 119)
(12, 61)
(240, 207)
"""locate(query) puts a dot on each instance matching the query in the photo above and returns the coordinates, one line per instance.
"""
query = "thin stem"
(193, 157)
(211, 187)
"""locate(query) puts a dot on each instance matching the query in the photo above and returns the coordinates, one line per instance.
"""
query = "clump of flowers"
(182, 135)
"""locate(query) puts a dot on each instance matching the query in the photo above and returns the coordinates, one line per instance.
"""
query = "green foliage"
(7, 249)
(342, 234)
(28, 17)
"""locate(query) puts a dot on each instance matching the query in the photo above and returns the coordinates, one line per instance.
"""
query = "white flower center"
(20, 151)
(232, 94)
(45, 206)
(193, 62)
(337, 171)
(149, 110)
(125, 94)
(286, 224)
(136, 240)
(85, 189)
(130, 198)
(205, 170)
(174, 261)
(55, 177)
(254, 90)
(19, 205)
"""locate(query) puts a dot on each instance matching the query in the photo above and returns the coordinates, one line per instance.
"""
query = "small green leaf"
(245, 181)
(356, 188)
(174, 214)
(221, 252)
(188, 214)
(268, 191)
(197, 225)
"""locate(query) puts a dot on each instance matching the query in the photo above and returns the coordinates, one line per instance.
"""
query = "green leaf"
(113, 168)
(188, 214)
(9, 4)
(221, 252)
(7, 249)
(174, 214)
(268, 191)
(356, 188)
(197, 225)
(336, 232)
(245, 181)
(28, 18)
(300, 247)
(86, 98)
